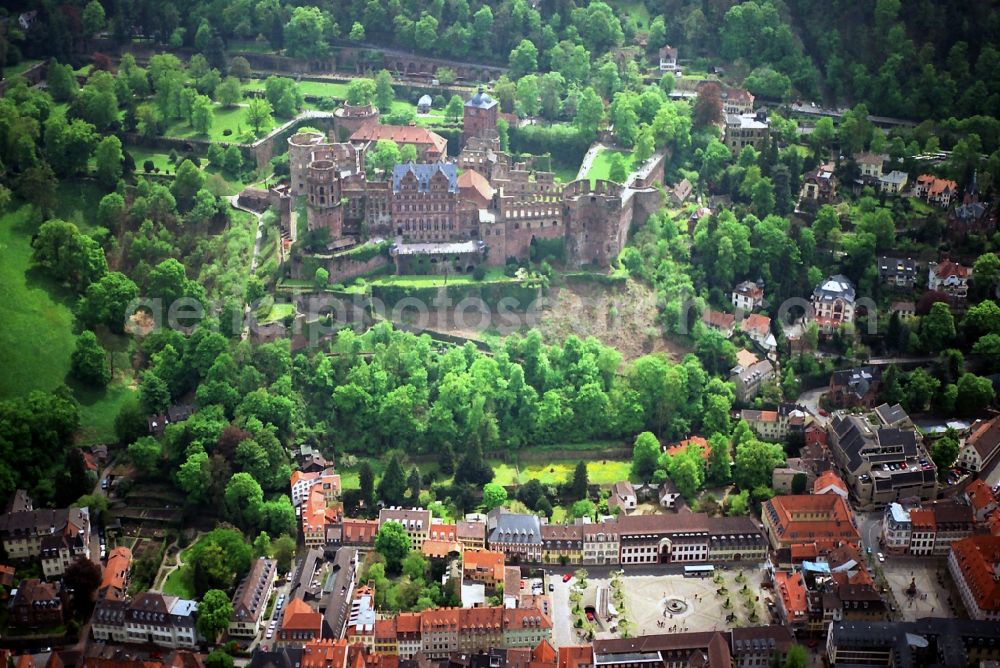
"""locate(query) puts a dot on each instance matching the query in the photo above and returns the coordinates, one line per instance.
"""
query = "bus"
(705, 571)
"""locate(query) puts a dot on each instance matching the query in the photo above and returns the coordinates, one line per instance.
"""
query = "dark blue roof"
(424, 173)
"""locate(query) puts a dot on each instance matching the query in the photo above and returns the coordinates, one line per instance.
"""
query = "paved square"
(933, 587)
(673, 603)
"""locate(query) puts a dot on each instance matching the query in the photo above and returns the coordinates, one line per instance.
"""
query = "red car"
(590, 616)
(567, 577)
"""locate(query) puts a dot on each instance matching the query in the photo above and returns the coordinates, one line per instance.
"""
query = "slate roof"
(835, 287)
(517, 528)
(424, 174)
(481, 100)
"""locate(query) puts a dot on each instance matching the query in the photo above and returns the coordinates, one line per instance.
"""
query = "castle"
(441, 214)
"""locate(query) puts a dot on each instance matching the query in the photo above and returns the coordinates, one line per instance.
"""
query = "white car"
(269, 634)
(881, 558)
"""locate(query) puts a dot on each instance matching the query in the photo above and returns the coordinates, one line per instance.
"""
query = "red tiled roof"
(948, 268)
(300, 617)
(757, 323)
(488, 560)
(793, 593)
(470, 179)
(401, 134)
(718, 319)
(576, 656)
(794, 520)
(978, 559)
(923, 519)
(116, 572)
(827, 479)
(324, 653)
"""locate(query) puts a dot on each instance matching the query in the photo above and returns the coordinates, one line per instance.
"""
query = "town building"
(793, 478)
(486, 566)
(359, 534)
(927, 530)
(971, 216)
(623, 497)
(61, 550)
(747, 296)
(22, 532)
(949, 277)
(819, 186)
(897, 273)
(904, 310)
(749, 380)
(736, 101)
(981, 447)
(518, 536)
(36, 604)
(299, 624)
(742, 130)
(724, 323)
(757, 327)
(114, 580)
(822, 522)
(688, 538)
(936, 191)
(338, 585)
(251, 598)
(668, 59)
(471, 533)
(931, 641)
(416, 522)
(892, 183)
(853, 388)
(777, 426)
(974, 564)
(747, 647)
(600, 543)
(302, 482)
(166, 621)
(318, 517)
(833, 303)
(562, 543)
(870, 166)
(323, 653)
(893, 416)
(829, 482)
(881, 464)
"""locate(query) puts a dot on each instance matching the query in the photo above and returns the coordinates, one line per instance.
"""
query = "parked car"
(552, 587)
(567, 577)
(881, 558)
(590, 616)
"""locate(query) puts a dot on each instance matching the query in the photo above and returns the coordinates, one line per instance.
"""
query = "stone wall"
(33, 75)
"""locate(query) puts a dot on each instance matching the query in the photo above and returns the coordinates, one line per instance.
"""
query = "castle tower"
(324, 207)
(480, 116)
(300, 151)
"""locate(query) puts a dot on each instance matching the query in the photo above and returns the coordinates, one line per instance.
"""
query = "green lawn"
(605, 472)
(226, 118)
(308, 88)
(438, 280)
(637, 10)
(566, 174)
(141, 154)
(36, 339)
(279, 312)
(14, 70)
(600, 168)
(180, 583)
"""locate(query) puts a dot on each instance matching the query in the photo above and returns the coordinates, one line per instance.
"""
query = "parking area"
(922, 587)
(669, 603)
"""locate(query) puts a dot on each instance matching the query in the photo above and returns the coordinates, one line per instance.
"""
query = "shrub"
(148, 166)
(479, 273)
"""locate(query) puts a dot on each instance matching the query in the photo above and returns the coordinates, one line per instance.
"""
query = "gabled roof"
(471, 180)
(401, 134)
(985, 438)
(424, 174)
(978, 559)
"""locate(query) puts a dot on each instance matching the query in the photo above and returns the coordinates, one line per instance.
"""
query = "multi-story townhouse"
(600, 543)
(562, 543)
(167, 621)
(22, 531)
(416, 522)
(974, 563)
(251, 597)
